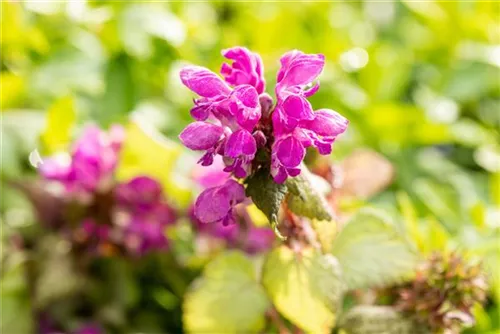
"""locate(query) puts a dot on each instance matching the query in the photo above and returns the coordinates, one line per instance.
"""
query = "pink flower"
(216, 204)
(247, 68)
(231, 113)
(143, 215)
(91, 164)
(233, 122)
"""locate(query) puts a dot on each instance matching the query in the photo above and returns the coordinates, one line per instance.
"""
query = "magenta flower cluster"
(244, 235)
(129, 216)
(235, 118)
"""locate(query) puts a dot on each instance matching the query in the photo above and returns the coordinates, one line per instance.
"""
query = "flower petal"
(247, 95)
(298, 68)
(290, 151)
(141, 192)
(297, 107)
(203, 81)
(240, 143)
(245, 106)
(201, 135)
(326, 122)
(214, 204)
(247, 68)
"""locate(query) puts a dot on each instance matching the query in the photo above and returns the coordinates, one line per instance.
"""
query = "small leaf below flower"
(267, 195)
(304, 199)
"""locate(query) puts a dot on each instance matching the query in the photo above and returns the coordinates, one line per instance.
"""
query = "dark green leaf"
(266, 194)
(304, 199)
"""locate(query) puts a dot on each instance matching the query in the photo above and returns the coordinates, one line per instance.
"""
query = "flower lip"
(215, 204)
(290, 151)
(201, 135)
(247, 68)
(299, 69)
(203, 81)
(240, 143)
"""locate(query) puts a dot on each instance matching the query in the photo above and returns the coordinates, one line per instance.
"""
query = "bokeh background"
(419, 82)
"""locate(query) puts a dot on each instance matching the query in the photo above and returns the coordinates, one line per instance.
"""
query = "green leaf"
(61, 118)
(437, 236)
(118, 99)
(226, 299)
(306, 288)
(55, 265)
(16, 303)
(410, 219)
(304, 198)
(371, 319)
(372, 252)
(147, 152)
(326, 231)
(267, 195)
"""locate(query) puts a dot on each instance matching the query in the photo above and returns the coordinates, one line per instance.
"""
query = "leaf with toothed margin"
(372, 252)
(304, 199)
(267, 195)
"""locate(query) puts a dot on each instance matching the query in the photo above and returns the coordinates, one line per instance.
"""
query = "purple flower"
(91, 163)
(258, 239)
(223, 115)
(240, 149)
(236, 121)
(295, 125)
(247, 68)
(142, 215)
(288, 150)
(216, 204)
(139, 194)
(89, 329)
(211, 176)
(200, 136)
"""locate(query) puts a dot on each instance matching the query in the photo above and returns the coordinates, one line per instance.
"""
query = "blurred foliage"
(419, 82)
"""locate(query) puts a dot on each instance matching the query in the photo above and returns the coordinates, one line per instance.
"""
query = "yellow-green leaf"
(372, 319)
(306, 288)
(60, 121)
(372, 252)
(437, 236)
(226, 299)
(326, 231)
(147, 152)
(410, 219)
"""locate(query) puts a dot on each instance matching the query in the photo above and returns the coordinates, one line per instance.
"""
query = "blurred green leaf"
(118, 99)
(372, 252)
(305, 287)
(54, 265)
(226, 298)
(372, 319)
(326, 232)
(60, 121)
(146, 152)
(12, 88)
(438, 237)
(16, 305)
